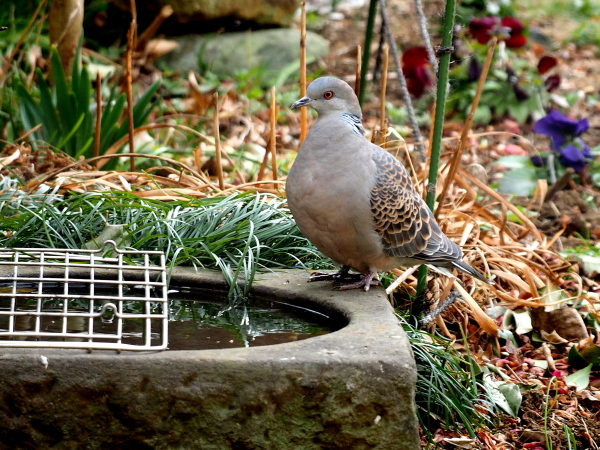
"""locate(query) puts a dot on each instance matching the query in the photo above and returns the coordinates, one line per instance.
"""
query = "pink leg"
(365, 282)
(319, 276)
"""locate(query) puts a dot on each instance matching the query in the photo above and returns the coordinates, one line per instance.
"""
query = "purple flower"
(564, 139)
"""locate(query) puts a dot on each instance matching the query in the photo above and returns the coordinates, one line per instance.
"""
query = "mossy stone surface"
(353, 388)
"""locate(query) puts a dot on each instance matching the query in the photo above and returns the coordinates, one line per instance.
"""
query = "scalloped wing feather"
(402, 219)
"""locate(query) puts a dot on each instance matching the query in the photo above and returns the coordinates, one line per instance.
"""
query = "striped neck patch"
(354, 122)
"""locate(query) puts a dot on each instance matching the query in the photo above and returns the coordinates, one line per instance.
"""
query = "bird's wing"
(402, 219)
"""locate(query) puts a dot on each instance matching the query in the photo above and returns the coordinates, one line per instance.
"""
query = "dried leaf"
(565, 322)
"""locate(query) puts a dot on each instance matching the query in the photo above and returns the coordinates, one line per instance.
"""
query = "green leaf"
(30, 112)
(62, 93)
(144, 105)
(483, 114)
(519, 111)
(512, 394)
(110, 122)
(591, 353)
(514, 161)
(48, 109)
(66, 139)
(520, 181)
(590, 263)
(580, 379)
(505, 395)
(575, 359)
(588, 355)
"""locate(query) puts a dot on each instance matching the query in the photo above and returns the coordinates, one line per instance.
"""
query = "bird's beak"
(302, 102)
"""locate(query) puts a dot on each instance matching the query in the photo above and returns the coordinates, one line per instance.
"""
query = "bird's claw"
(359, 284)
(321, 276)
(346, 279)
(337, 276)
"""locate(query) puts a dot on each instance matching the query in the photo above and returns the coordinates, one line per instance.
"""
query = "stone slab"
(353, 388)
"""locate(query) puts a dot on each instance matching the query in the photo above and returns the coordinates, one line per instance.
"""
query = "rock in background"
(275, 52)
(261, 12)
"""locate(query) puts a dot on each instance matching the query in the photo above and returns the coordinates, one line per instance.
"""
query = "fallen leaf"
(565, 322)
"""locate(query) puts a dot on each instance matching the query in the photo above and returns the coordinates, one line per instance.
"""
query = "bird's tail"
(464, 267)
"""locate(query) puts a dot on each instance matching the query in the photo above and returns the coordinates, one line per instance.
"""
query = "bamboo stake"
(429, 148)
(465, 132)
(217, 137)
(272, 142)
(129, 92)
(97, 131)
(367, 49)
(303, 111)
(357, 77)
(384, 71)
(438, 125)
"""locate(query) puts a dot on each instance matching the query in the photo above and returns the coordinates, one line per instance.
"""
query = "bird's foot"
(337, 276)
(366, 282)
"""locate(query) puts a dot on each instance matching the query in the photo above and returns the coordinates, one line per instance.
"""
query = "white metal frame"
(120, 301)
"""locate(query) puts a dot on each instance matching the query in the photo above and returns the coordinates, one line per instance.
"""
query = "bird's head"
(328, 94)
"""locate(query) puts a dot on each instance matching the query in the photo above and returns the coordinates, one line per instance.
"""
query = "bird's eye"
(328, 95)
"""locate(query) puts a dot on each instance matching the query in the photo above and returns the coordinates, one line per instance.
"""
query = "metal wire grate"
(89, 299)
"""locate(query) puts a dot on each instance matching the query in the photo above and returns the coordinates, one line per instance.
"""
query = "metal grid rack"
(90, 299)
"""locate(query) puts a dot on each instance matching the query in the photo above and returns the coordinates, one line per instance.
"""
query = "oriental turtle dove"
(355, 201)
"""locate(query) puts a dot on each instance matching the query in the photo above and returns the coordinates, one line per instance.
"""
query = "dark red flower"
(514, 28)
(552, 82)
(474, 70)
(415, 62)
(546, 63)
(507, 29)
(481, 28)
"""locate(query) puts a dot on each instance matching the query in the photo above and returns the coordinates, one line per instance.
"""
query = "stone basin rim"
(372, 330)
(352, 388)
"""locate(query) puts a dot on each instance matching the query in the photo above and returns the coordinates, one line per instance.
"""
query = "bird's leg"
(340, 274)
(365, 283)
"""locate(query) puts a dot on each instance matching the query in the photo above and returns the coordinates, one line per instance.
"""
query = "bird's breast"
(331, 205)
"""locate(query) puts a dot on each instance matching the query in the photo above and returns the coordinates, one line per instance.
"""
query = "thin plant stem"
(460, 148)
(129, 91)
(366, 56)
(217, 137)
(551, 168)
(97, 131)
(273, 124)
(198, 157)
(546, 412)
(384, 70)
(560, 184)
(438, 125)
(403, 86)
(303, 112)
(263, 167)
(358, 74)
